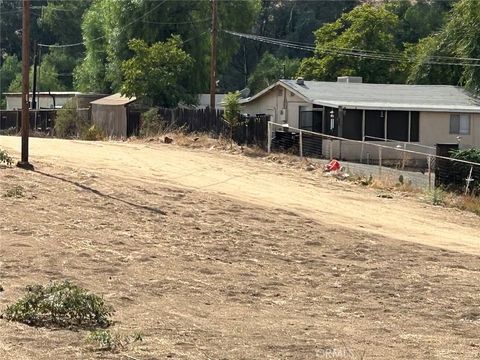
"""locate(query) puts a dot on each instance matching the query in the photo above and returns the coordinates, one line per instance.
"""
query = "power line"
(103, 36)
(177, 23)
(367, 54)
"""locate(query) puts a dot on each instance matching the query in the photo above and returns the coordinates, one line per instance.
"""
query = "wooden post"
(25, 83)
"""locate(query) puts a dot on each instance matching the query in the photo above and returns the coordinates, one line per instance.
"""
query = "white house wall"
(274, 101)
(43, 102)
(435, 129)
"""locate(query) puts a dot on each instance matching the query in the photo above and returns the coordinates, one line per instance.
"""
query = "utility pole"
(25, 88)
(213, 61)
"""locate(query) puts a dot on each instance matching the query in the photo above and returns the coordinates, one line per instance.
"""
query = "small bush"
(62, 305)
(152, 124)
(5, 158)
(15, 192)
(92, 134)
(106, 340)
(68, 123)
(436, 196)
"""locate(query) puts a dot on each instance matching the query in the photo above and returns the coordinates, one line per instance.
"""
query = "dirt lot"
(214, 256)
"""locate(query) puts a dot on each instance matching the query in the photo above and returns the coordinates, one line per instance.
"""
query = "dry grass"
(207, 277)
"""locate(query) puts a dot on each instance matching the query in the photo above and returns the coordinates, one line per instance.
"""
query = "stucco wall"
(435, 129)
(112, 119)
(273, 102)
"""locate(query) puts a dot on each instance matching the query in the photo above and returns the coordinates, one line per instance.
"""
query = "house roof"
(441, 98)
(115, 99)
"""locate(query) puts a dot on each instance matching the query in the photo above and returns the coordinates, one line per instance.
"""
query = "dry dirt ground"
(216, 256)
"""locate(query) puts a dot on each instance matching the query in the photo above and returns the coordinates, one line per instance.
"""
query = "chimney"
(350, 79)
(300, 81)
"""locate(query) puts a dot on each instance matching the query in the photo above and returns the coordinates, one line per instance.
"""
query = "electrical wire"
(103, 36)
(177, 23)
(366, 54)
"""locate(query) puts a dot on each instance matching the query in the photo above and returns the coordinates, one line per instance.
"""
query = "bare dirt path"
(265, 184)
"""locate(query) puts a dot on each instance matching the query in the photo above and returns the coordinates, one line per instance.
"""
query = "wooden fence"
(250, 131)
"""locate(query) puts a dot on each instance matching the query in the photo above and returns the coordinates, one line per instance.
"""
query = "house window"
(306, 118)
(460, 124)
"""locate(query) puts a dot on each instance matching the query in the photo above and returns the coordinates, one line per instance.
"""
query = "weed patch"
(5, 158)
(15, 192)
(106, 340)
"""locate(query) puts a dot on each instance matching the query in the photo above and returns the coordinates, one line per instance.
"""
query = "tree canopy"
(365, 27)
(157, 73)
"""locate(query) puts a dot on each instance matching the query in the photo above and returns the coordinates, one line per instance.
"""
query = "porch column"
(386, 124)
(409, 126)
(363, 125)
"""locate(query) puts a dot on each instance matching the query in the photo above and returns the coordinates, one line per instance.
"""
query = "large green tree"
(157, 73)
(458, 41)
(271, 69)
(109, 25)
(365, 27)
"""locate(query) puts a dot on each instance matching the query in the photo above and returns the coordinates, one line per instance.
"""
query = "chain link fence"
(389, 160)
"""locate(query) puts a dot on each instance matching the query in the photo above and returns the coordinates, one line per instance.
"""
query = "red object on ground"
(333, 165)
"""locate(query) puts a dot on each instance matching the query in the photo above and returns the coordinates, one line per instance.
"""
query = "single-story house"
(51, 99)
(112, 115)
(423, 114)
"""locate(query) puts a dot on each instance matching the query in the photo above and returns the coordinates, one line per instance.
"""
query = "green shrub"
(5, 158)
(92, 134)
(152, 123)
(436, 196)
(68, 123)
(62, 305)
(107, 340)
(459, 172)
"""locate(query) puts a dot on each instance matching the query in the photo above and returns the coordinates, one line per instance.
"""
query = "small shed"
(112, 115)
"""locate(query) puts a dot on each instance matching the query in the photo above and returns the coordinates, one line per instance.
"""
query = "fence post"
(429, 162)
(469, 180)
(331, 149)
(404, 155)
(269, 141)
(363, 146)
(380, 161)
(301, 143)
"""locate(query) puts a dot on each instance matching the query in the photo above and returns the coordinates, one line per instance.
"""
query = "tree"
(418, 19)
(157, 73)
(271, 69)
(47, 79)
(9, 70)
(459, 38)
(109, 25)
(365, 27)
(232, 111)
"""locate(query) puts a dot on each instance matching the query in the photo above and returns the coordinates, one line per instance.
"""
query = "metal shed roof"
(441, 98)
(115, 99)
